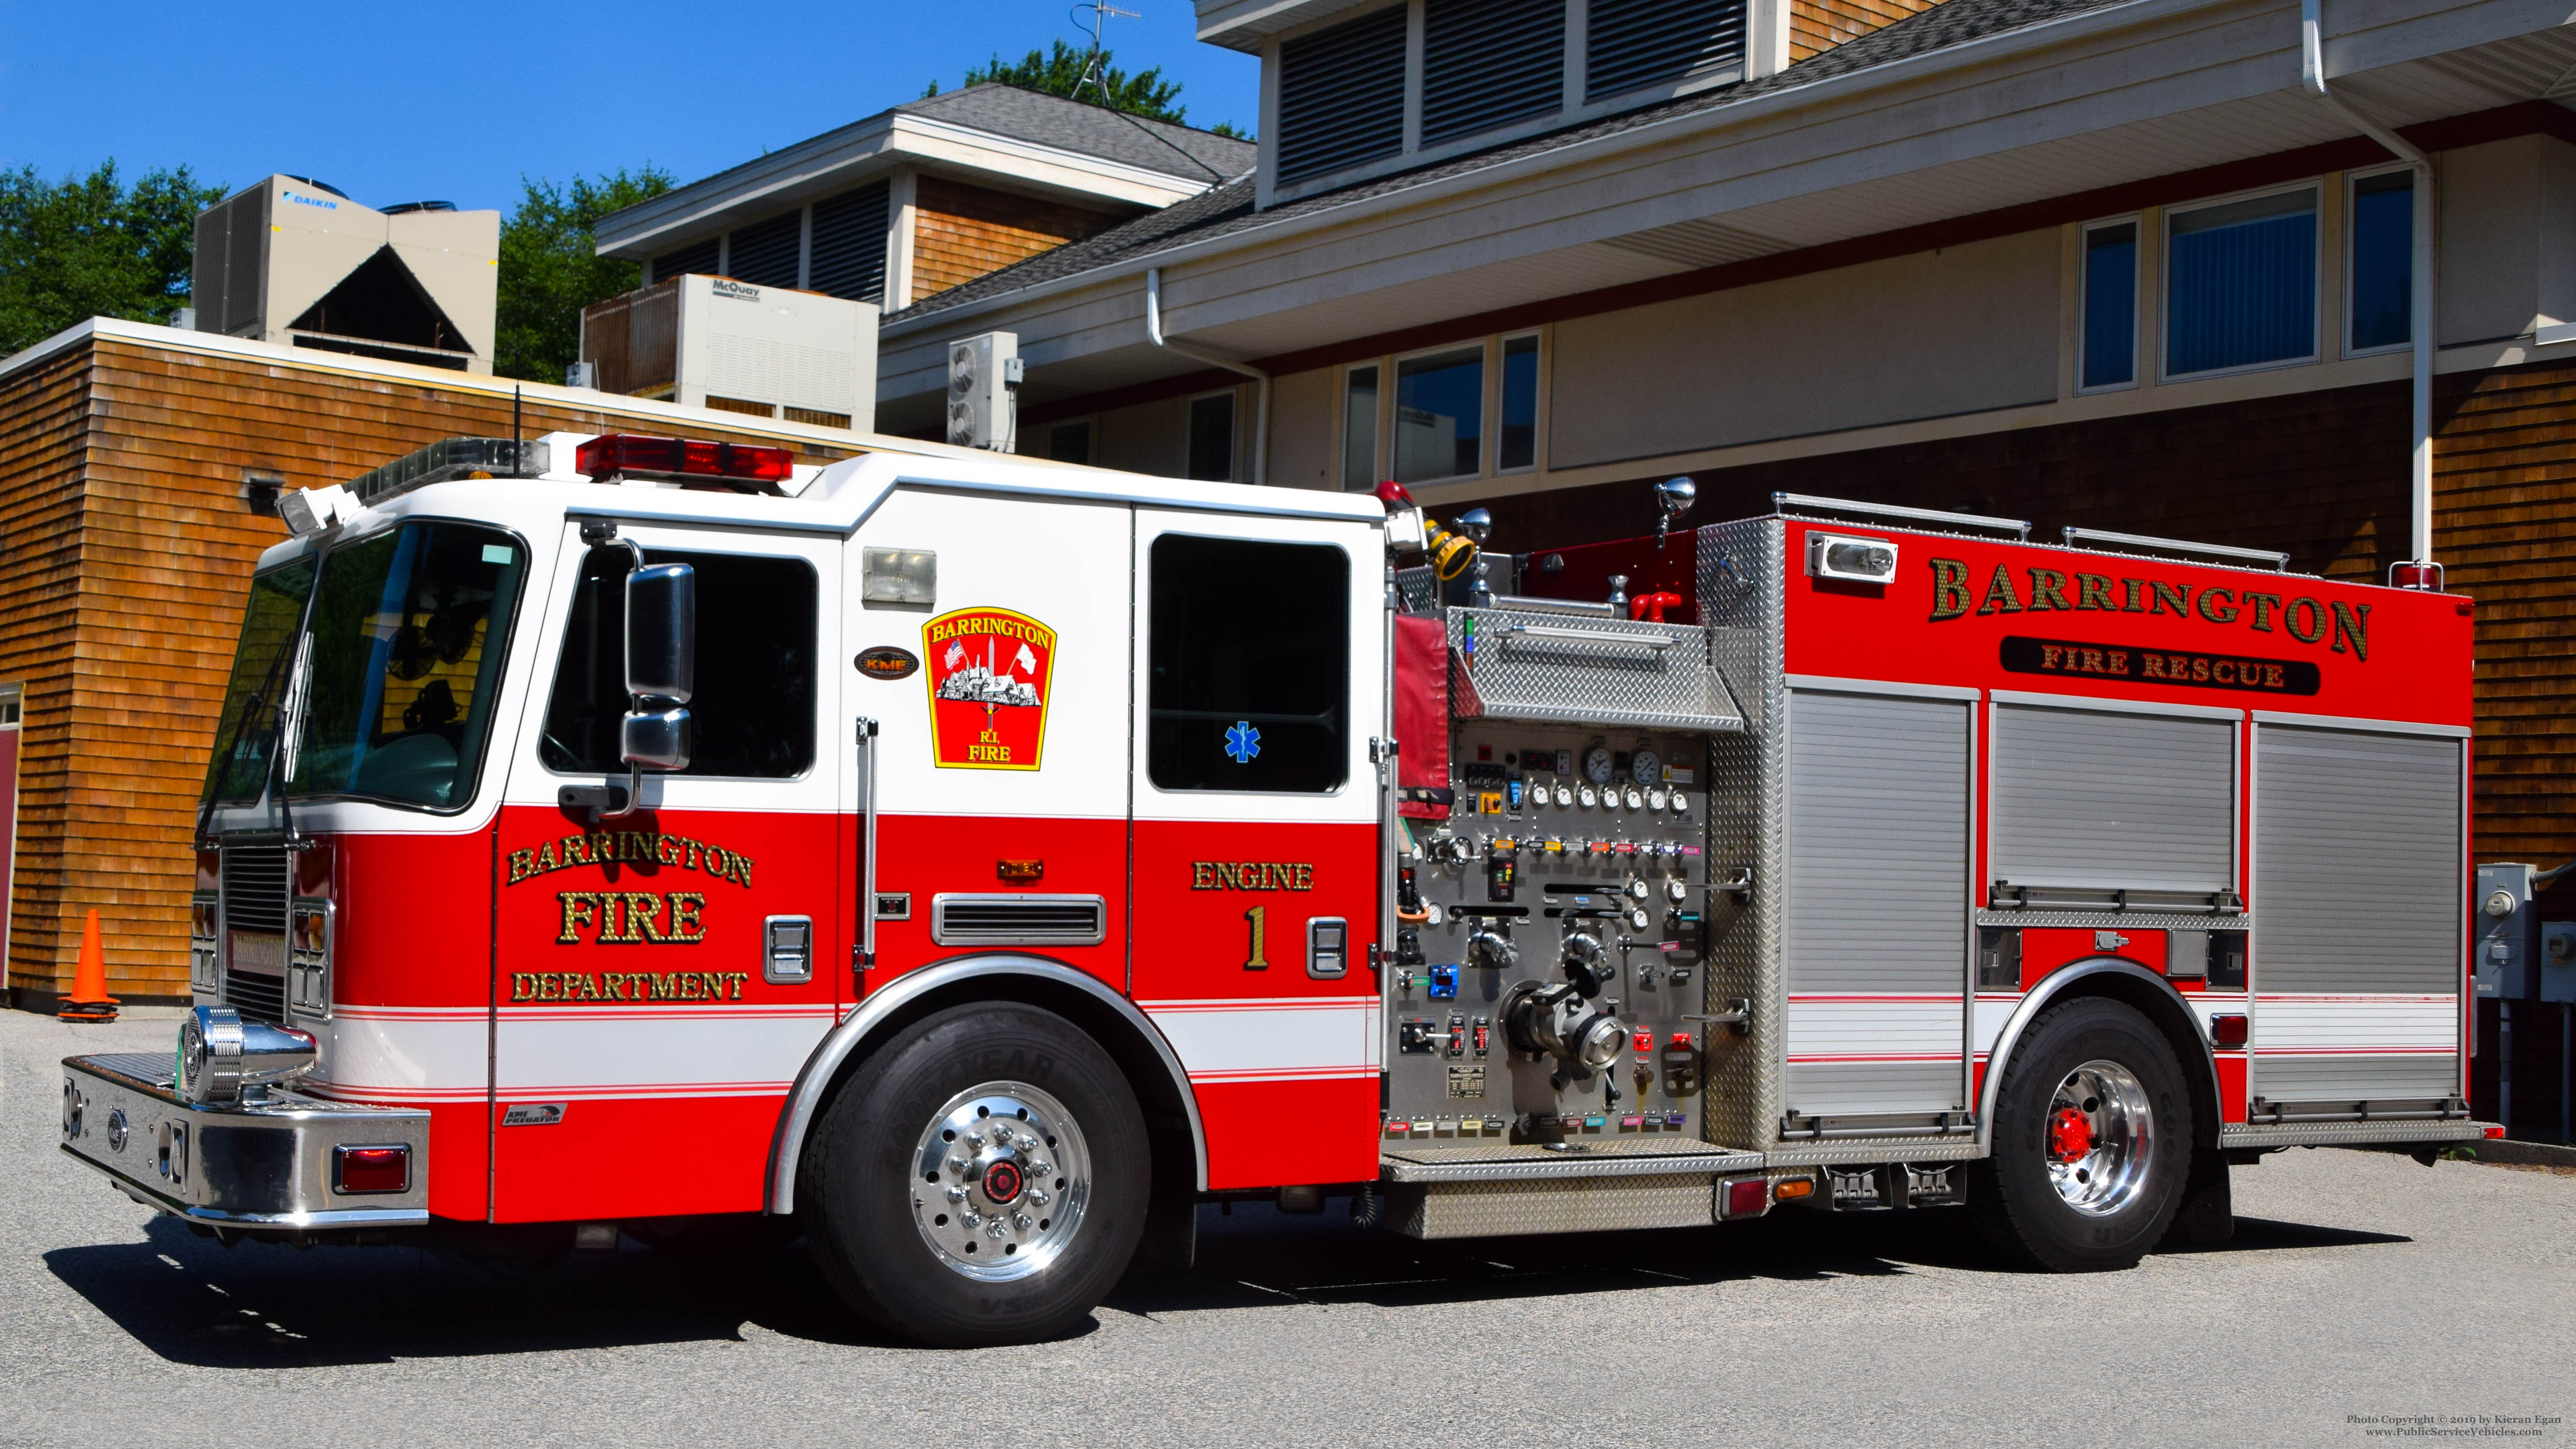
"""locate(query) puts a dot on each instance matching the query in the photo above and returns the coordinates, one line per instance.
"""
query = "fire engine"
(1166, 842)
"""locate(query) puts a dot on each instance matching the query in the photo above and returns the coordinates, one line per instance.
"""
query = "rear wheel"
(980, 1179)
(2092, 1141)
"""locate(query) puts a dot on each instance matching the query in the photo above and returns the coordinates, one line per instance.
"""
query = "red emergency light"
(356, 1170)
(613, 455)
(2228, 1029)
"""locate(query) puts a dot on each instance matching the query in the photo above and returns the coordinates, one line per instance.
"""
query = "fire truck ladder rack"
(1787, 503)
(2269, 558)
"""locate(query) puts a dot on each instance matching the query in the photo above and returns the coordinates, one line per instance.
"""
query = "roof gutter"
(1261, 395)
(1926, 63)
(2419, 571)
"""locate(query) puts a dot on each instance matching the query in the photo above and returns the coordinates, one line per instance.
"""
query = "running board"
(2239, 1135)
(1493, 1190)
(1533, 1162)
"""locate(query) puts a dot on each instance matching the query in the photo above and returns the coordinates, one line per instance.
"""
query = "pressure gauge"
(1432, 914)
(1638, 920)
(1564, 797)
(1681, 803)
(1589, 798)
(1596, 765)
(1636, 798)
(1638, 888)
(1655, 798)
(1646, 767)
(1679, 890)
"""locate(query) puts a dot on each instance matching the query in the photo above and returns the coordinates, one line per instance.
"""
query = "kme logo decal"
(989, 676)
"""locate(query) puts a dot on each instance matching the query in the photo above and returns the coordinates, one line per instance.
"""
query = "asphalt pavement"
(2363, 1294)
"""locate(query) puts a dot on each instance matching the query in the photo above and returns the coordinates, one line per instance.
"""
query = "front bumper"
(263, 1166)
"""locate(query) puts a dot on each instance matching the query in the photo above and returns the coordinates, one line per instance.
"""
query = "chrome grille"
(255, 892)
(1018, 920)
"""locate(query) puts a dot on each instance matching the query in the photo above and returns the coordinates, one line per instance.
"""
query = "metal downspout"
(2312, 72)
(1261, 394)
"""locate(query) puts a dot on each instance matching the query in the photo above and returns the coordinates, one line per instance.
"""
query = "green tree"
(90, 246)
(1055, 73)
(550, 269)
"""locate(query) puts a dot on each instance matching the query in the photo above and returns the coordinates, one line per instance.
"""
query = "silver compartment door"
(2359, 881)
(2113, 800)
(1877, 909)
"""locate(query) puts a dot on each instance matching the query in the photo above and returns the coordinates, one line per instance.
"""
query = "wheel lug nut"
(997, 1228)
(1038, 1196)
(972, 1219)
(956, 1194)
(1023, 1221)
(1042, 1167)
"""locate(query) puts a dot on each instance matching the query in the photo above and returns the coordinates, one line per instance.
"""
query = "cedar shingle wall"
(125, 635)
(42, 443)
(2320, 474)
(961, 232)
(1819, 25)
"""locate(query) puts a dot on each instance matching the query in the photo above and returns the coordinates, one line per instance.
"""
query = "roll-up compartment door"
(2358, 892)
(2098, 800)
(1876, 910)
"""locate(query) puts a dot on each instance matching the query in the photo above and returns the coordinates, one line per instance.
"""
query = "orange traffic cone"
(89, 1000)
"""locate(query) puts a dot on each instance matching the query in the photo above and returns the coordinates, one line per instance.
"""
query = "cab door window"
(1249, 649)
(753, 714)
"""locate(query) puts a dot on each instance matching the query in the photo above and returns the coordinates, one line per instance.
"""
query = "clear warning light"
(1851, 560)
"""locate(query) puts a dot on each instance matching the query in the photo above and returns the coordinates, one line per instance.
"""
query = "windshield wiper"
(231, 750)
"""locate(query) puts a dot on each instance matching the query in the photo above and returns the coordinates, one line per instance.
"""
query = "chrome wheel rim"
(2097, 1138)
(1000, 1179)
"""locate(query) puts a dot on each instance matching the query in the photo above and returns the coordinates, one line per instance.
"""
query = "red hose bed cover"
(1421, 714)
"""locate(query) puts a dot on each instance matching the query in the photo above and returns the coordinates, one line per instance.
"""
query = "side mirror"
(661, 665)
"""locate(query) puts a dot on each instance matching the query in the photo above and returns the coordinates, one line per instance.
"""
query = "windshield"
(243, 732)
(393, 679)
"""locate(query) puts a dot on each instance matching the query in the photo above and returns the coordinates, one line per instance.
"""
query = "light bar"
(451, 458)
(620, 454)
(2269, 557)
(1785, 502)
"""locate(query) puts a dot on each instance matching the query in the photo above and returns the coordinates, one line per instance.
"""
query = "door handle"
(787, 950)
(1328, 948)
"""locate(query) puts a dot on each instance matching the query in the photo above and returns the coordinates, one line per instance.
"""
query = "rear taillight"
(360, 1170)
(614, 455)
(2227, 1030)
(1748, 1197)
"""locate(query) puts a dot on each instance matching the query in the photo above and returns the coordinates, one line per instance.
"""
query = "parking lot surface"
(2363, 1294)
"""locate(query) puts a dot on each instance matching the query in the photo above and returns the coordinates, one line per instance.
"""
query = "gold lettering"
(2349, 624)
(1949, 588)
(2316, 618)
(2199, 670)
(546, 861)
(523, 864)
(580, 908)
(523, 986)
(2119, 661)
(2000, 597)
(2169, 595)
(2272, 677)
(2224, 671)
(2262, 605)
(685, 925)
(1305, 878)
(1229, 876)
(2048, 656)
(2093, 591)
(1201, 877)
(2212, 612)
(2129, 589)
(2152, 667)
(665, 986)
(644, 916)
(2047, 590)
(2092, 661)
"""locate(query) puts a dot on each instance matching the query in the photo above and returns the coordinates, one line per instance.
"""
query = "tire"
(2092, 1142)
(982, 1178)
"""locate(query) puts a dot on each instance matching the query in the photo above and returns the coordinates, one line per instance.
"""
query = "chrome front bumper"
(263, 1166)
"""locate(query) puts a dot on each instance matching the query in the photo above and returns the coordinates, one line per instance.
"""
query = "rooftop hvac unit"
(713, 342)
(294, 261)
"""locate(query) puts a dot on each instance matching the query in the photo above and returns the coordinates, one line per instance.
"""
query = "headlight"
(220, 1054)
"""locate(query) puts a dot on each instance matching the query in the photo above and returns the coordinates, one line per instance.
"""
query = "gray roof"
(1090, 130)
(1224, 209)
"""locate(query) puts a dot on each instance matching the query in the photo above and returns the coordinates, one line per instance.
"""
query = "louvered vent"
(972, 920)
(765, 255)
(1633, 44)
(255, 906)
(1489, 62)
(700, 258)
(849, 245)
(1341, 96)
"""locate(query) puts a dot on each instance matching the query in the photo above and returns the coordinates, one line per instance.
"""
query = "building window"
(1440, 415)
(769, 253)
(1516, 446)
(1359, 428)
(1632, 44)
(1341, 95)
(2241, 283)
(1070, 442)
(2383, 260)
(1212, 437)
(1486, 63)
(1231, 707)
(849, 247)
(2110, 305)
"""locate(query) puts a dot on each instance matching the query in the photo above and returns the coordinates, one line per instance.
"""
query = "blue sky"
(456, 100)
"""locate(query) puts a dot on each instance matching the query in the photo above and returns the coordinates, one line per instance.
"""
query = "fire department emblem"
(990, 670)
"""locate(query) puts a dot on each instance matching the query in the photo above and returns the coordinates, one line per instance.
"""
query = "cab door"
(1255, 848)
(661, 975)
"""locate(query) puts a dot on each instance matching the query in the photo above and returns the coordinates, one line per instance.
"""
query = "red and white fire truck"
(1162, 842)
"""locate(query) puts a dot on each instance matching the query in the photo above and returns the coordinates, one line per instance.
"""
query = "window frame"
(2316, 186)
(2343, 325)
(1349, 726)
(2137, 295)
(1501, 353)
(1090, 422)
(543, 688)
(1234, 433)
(1378, 469)
(1391, 391)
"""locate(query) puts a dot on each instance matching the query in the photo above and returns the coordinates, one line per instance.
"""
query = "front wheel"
(981, 1179)
(2091, 1145)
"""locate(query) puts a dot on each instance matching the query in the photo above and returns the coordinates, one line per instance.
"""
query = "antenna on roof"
(1094, 73)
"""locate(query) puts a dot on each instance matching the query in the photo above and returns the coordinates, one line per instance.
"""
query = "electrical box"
(2505, 939)
(2558, 961)
(713, 342)
(984, 391)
